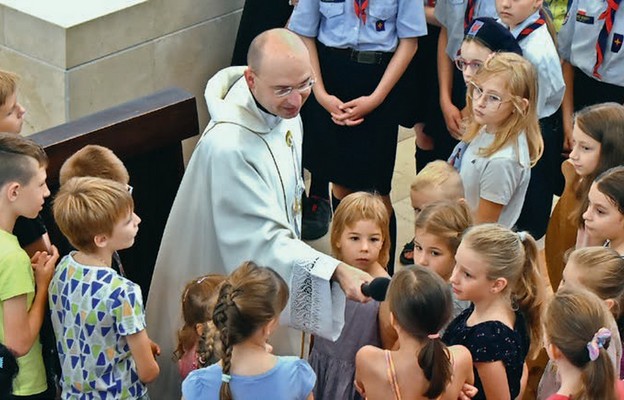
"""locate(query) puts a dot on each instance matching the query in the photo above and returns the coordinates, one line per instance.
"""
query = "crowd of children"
(464, 321)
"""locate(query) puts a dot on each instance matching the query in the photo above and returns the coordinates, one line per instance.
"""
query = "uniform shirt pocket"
(331, 9)
(456, 2)
(384, 12)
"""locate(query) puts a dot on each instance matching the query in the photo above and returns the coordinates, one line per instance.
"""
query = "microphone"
(376, 288)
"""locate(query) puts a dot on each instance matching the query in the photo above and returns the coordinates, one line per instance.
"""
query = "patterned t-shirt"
(93, 310)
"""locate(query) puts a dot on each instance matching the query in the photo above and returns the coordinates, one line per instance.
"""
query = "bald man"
(240, 199)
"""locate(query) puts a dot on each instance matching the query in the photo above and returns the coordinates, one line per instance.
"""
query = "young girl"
(597, 145)
(576, 339)
(599, 270)
(359, 237)
(246, 313)
(497, 271)
(439, 229)
(422, 367)
(196, 339)
(503, 138)
(604, 217)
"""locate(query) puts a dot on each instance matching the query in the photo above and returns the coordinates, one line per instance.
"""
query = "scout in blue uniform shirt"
(590, 43)
(455, 16)
(359, 50)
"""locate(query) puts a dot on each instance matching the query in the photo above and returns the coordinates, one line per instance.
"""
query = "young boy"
(98, 162)
(11, 112)
(437, 181)
(98, 315)
(23, 287)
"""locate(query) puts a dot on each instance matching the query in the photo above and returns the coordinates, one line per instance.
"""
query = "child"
(437, 181)
(23, 287)
(483, 37)
(599, 270)
(455, 16)
(604, 216)
(352, 118)
(422, 367)
(359, 237)
(535, 33)
(98, 315)
(497, 271)
(196, 339)
(8, 371)
(98, 162)
(246, 313)
(11, 112)
(439, 229)
(576, 339)
(597, 145)
(503, 138)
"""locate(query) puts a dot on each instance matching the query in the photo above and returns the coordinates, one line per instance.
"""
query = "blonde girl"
(497, 271)
(359, 237)
(422, 367)
(597, 145)
(503, 138)
(577, 339)
(438, 232)
(604, 217)
(196, 339)
(247, 311)
(599, 270)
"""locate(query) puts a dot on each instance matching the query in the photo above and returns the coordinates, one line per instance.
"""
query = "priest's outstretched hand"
(351, 280)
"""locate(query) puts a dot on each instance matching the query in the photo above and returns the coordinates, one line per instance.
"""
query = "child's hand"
(43, 266)
(467, 392)
(357, 109)
(453, 119)
(155, 348)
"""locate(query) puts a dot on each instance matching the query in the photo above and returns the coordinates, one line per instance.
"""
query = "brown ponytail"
(572, 319)
(421, 303)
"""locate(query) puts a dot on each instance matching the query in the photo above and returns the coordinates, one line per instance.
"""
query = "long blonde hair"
(513, 256)
(521, 79)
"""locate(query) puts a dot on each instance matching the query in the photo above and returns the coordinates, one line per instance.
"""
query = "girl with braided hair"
(196, 339)
(246, 312)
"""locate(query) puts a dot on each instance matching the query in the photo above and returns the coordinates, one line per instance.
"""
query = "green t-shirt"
(17, 278)
(559, 9)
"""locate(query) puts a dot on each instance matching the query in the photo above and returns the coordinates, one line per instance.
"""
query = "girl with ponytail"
(422, 367)
(576, 339)
(246, 312)
(496, 269)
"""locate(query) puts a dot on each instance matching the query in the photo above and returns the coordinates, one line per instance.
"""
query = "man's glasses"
(284, 91)
(491, 101)
(463, 65)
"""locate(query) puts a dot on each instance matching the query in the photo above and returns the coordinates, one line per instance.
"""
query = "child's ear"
(199, 329)
(12, 190)
(524, 105)
(100, 240)
(610, 303)
(498, 285)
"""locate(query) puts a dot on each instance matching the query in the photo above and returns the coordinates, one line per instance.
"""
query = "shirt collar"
(516, 31)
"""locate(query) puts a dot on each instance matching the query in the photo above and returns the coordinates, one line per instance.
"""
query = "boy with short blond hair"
(11, 112)
(23, 286)
(97, 314)
(438, 180)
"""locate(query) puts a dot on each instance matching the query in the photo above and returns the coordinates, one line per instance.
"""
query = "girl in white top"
(503, 137)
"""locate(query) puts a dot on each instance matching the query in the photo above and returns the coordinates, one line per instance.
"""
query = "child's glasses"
(463, 65)
(491, 101)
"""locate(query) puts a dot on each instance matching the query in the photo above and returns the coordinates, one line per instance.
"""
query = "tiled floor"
(404, 172)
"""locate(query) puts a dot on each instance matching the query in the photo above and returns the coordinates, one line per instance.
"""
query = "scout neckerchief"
(531, 28)
(469, 14)
(360, 7)
(608, 15)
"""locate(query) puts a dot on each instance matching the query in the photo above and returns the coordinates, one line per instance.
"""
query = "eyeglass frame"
(475, 87)
(284, 91)
(476, 65)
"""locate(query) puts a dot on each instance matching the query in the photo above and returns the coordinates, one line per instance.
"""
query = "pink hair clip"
(602, 337)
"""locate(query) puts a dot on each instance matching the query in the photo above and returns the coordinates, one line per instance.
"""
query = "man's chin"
(289, 113)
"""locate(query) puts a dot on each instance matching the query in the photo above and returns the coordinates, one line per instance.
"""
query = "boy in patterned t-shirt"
(97, 314)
